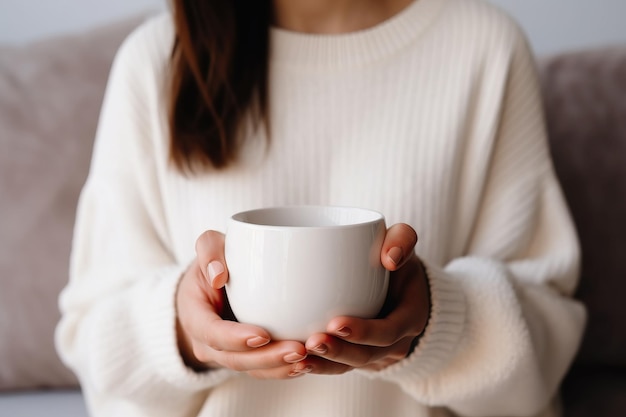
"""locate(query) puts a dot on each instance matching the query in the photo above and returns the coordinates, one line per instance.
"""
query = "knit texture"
(434, 119)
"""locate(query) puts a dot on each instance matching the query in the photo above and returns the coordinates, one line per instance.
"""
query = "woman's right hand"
(208, 336)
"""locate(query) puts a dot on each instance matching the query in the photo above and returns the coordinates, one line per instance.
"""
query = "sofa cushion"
(585, 95)
(50, 95)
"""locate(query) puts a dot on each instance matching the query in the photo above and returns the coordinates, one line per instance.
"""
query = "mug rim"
(372, 216)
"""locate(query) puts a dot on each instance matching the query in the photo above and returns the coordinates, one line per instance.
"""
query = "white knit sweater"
(432, 118)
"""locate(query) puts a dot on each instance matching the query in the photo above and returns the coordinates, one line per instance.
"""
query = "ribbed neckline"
(348, 49)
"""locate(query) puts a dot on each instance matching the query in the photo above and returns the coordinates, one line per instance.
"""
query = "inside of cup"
(308, 216)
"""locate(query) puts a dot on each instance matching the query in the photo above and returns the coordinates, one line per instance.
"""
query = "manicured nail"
(298, 372)
(257, 341)
(320, 349)
(343, 332)
(395, 255)
(214, 270)
(293, 357)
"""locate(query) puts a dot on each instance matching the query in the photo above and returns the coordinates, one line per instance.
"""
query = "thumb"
(398, 246)
(210, 254)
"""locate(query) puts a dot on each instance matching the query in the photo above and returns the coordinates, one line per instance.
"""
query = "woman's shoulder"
(154, 27)
(483, 21)
(484, 12)
(150, 43)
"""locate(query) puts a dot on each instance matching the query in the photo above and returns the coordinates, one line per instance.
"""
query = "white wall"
(22, 21)
(551, 25)
(556, 25)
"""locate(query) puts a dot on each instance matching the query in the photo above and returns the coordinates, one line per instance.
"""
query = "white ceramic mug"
(292, 269)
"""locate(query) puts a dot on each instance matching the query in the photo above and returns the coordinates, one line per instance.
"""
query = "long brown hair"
(219, 73)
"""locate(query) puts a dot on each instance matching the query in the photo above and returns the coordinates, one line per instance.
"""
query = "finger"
(398, 352)
(282, 372)
(399, 244)
(321, 366)
(402, 322)
(200, 309)
(281, 354)
(210, 255)
(208, 329)
(376, 332)
(340, 355)
(407, 318)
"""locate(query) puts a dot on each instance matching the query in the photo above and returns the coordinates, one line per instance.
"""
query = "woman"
(427, 111)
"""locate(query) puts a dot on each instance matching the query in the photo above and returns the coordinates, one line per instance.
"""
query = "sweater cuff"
(439, 342)
(138, 347)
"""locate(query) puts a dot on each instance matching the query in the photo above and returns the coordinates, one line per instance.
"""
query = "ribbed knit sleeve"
(118, 327)
(503, 328)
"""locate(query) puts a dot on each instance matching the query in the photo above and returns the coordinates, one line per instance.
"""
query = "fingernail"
(293, 357)
(214, 270)
(343, 332)
(321, 349)
(257, 341)
(395, 255)
(298, 372)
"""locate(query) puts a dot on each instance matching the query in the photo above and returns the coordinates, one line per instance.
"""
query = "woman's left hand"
(374, 344)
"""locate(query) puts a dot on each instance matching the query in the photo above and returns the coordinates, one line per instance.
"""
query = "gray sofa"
(50, 94)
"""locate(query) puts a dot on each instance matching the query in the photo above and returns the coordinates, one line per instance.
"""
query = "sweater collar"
(354, 48)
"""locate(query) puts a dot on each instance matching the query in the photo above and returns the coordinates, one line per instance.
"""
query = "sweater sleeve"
(117, 331)
(504, 328)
